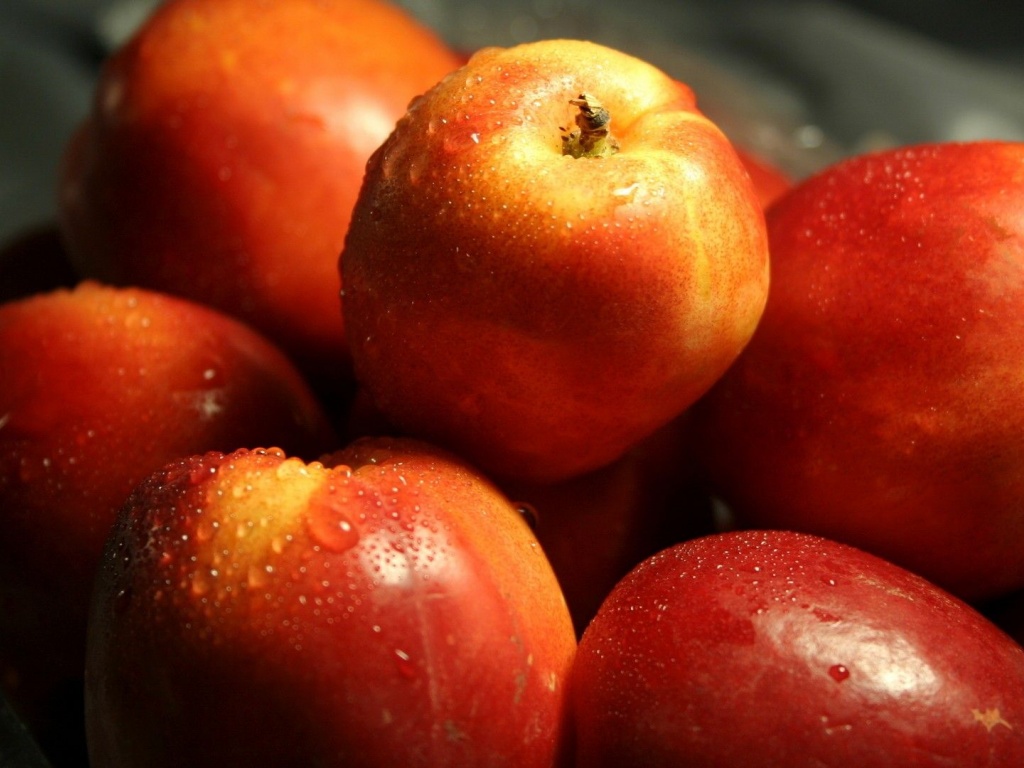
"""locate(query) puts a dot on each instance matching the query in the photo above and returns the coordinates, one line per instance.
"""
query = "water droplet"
(529, 513)
(404, 664)
(838, 672)
(329, 526)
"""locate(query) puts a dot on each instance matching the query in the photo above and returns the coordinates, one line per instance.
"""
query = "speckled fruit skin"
(225, 148)
(99, 387)
(388, 607)
(881, 401)
(539, 313)
(768, 648)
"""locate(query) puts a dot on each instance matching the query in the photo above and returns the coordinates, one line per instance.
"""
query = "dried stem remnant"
(591, 137)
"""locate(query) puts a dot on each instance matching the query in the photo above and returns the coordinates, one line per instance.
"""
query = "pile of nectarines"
(394, 408)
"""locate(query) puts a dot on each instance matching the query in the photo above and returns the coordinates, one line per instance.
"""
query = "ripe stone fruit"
(539, 288)
(385, 607)
(99, 387)
(771, 648)
(225, 148)
(880, 401)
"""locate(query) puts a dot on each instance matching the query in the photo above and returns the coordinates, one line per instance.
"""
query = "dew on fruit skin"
(838, 672)
(329, 527)
(529, 514)
(403, 663)
(435, 124)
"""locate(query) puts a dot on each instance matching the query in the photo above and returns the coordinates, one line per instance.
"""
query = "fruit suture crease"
(419, 407)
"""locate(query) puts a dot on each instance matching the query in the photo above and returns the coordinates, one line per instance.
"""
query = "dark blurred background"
(803, 82)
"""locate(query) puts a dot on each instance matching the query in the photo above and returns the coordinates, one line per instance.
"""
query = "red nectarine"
(538, 296)
(225, 148)
(881, 401)
(386, 607)
(772, 648)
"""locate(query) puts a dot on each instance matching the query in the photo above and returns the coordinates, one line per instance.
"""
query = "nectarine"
(536, 287)
(225, 148)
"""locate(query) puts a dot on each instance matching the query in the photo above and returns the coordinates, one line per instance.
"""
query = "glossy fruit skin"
(389, 607)
(100, 386)
(539, 313)
(225, 148)
(880, 402)
(773, 648)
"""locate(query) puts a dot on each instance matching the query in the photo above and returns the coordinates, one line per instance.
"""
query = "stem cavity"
(590, 137)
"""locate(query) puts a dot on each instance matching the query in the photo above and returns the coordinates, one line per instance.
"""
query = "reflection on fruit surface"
(386, 607)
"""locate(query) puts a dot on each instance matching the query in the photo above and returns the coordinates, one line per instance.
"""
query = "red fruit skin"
(880, 401)
(224, 151)
(772, 648)
(98, 387)
(427, 630)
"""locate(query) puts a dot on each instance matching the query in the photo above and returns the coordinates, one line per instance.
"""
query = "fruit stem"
(591, 137)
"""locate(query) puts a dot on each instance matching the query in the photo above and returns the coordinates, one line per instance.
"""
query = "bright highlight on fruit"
(773, 648)
(385, 606)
